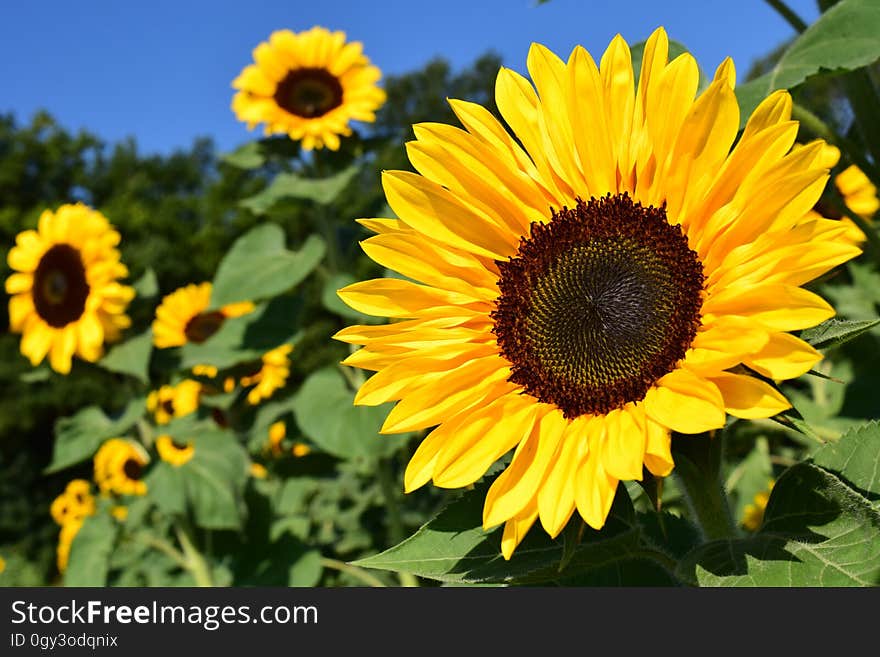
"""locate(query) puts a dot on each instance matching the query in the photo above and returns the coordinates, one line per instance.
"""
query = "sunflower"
(858, 193)
(753, 513)
(75, 502)
(272, 375)
(258, 471)
(182, 316)
(66, 298)
(169, 402)
(309, 85)
(119, 466)
(172, 452)
(277, 434)
(614, 270)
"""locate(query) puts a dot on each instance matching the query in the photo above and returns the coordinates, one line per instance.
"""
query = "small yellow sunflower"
(309, 85)
(258, 471)
(753, 514)
(583, 287)
(172, 452)
(858, 192)
(2, 565)
(272, 375)
(171, 401)
(119, 466)
(66, 296)
(68, 532)
(181, 317)
(76, 501)
(119, 512)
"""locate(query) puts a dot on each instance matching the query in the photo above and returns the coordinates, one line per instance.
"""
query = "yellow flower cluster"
(69, 510)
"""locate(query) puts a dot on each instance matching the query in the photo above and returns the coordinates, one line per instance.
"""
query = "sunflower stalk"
(195, 562)
(698, 471)
(788, 14)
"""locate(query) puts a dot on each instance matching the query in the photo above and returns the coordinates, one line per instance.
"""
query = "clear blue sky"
(161, 70)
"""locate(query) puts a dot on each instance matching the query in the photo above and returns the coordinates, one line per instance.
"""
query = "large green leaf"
(246, 338)
(835, 332)
(454, 548)
(78, 437)
(210, 485)
(290, 185)
(325, 411)
(855, 457)
(131, 357)
(843, 39)
(819, 528)
(258, 266)
(90, 552)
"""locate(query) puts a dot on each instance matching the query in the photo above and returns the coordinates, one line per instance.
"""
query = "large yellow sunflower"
(66, 296)
(75, 502)
(309, 85)
(272, 375)
(616, 269)
(182, 316)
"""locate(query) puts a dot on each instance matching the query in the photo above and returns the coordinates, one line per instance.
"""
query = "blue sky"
(160, 71)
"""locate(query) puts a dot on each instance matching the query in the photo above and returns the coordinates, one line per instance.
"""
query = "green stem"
(698, 471)
(195, 562)
(788, 14)
(395, 524)
(165, 547)
(354, 571)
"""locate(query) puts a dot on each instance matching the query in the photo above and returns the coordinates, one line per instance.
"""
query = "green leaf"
(78, 437)
(306, 570)
(212, 481)
(37, 375)
(325, 411)
(246, 338)
(844, 38)
(818, 530)
(290, 185)
(147, 286)
(90, 552)
(855, 457)
(258, 266)
(131, 357)
(454, 548)
(246, 156)
(835, 332)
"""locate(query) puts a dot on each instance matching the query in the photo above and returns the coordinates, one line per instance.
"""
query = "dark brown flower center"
(132, 469)
(168, 406)
(309, 92)
(203, 326)
(598, 304)
(60, 287)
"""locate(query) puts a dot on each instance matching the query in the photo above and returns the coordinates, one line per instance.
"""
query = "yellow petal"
(777, 307)
(623, 449)
(748, 397)
(784, 357)
(594, 488)
(478, 438)
(685, 402)
(518, 484)
(516, 528)
(393, 297)
(658, 452)
(556, 495)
